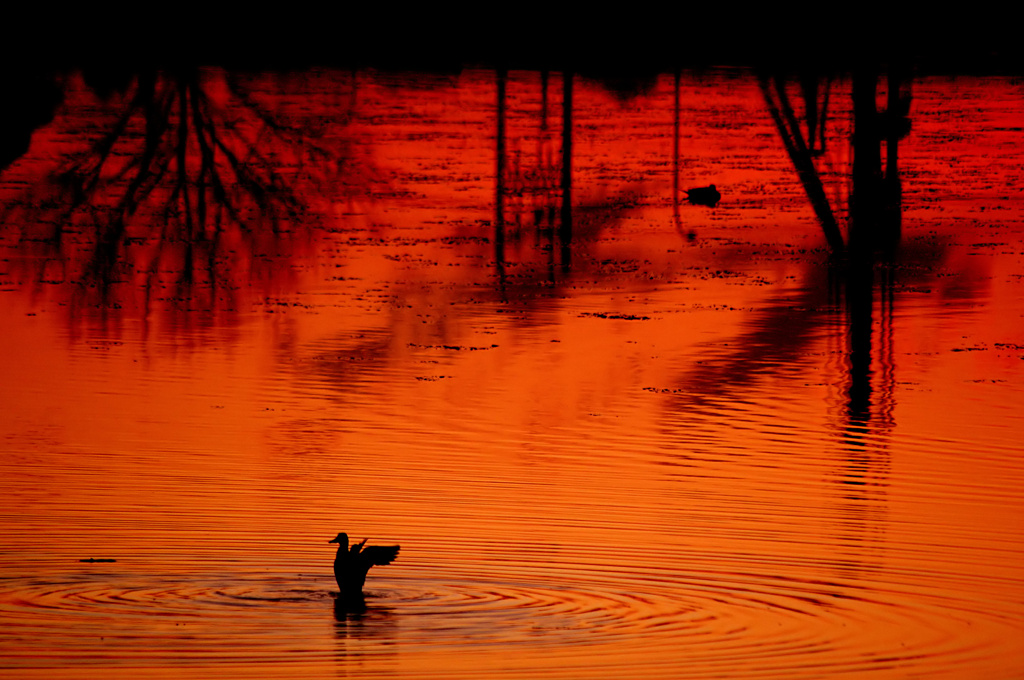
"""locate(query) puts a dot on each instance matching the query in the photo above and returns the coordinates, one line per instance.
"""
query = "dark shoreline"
(836, 39)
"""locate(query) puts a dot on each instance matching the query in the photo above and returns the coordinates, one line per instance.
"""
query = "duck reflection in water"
(708, 196)
(351, 565)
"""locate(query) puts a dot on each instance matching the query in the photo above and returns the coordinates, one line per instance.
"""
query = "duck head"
(341, 538)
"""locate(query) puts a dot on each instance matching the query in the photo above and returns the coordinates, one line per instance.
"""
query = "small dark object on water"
(708, 195)
(98, 559)
(351, 564)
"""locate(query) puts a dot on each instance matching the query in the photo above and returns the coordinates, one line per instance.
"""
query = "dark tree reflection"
(801, 151)
(191, 190)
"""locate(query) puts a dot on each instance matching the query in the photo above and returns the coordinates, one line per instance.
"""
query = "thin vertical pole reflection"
(898, 124)
(886, 357)
(565, 229)
(546, 213)
(544, 100)
(675, 151)
(501, 76)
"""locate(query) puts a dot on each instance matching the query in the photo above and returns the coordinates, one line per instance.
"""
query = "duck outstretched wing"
(380, 554)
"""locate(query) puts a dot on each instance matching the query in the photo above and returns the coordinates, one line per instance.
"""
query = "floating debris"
(99, 559)
(624, 317)
(455, 348)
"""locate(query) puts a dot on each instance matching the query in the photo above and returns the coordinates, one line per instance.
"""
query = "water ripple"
(592, 609)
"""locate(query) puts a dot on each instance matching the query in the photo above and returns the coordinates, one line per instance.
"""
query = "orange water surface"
(682, 442)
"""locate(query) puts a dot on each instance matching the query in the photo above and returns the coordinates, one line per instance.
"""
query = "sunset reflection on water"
(689, 443)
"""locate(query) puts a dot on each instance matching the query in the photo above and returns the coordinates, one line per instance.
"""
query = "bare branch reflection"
(192, 190)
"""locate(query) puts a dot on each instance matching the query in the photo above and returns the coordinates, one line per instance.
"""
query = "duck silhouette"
(352, 563)
(708, 195)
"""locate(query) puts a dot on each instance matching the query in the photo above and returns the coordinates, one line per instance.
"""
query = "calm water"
(687, 445)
